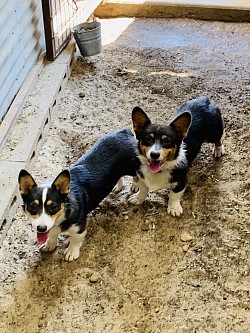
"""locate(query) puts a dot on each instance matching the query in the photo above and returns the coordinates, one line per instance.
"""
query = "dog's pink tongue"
(42, 237)
(154, 166)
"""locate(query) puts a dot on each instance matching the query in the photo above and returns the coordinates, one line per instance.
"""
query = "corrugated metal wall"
(21, 42)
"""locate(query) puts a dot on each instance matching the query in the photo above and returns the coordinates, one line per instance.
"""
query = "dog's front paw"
(49, 246)
(71, 253)
(118, 186)
(219, 151)
(134, 186)
(135, 199)
(175, 209)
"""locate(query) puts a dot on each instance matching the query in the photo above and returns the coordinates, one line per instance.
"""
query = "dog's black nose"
(41, 228)
(154, 155)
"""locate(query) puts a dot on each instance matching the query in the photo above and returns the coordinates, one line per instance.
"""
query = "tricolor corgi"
(167, 151)
(62, 206)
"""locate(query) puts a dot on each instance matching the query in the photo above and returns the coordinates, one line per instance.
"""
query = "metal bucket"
(88, 38)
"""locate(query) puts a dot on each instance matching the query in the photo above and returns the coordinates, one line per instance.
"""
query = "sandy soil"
(152, 272)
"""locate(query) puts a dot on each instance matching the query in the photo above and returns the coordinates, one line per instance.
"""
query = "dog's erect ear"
(62, 182)
(26, 182)
(140, 120)
(181, 124)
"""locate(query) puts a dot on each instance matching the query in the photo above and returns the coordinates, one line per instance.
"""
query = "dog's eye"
(148, 140)
(166, 141)
(32, 208)
(53, 208)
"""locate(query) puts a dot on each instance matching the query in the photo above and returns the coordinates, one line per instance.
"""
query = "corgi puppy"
(62, 206)
(166, 152)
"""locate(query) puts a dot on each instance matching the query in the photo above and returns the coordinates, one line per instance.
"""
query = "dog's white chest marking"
(156, 181)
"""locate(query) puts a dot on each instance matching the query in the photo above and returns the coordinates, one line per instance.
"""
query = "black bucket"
(88, 38)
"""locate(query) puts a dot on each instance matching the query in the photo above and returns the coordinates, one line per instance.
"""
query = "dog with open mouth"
(167, 151)
(63, 204)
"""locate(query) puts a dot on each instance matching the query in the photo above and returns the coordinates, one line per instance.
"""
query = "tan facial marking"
(169, 154)
(151, 135)
(144, 150)
(59, 213)
(36, 202)
(49, 202)
(30, 215)
(164, 137)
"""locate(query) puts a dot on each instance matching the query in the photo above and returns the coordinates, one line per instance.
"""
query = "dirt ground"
(155, 273)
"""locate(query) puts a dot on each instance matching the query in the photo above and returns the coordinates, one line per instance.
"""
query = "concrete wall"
(222, 10)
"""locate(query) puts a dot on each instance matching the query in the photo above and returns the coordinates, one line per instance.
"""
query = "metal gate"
(59, 17)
